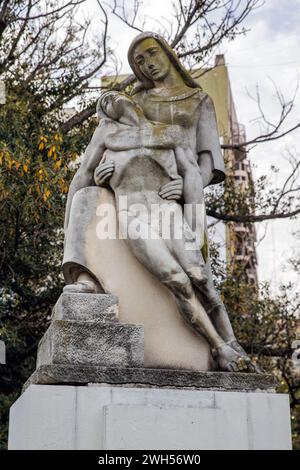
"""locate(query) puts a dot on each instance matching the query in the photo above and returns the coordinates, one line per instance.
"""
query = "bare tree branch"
(51, 12)
(78, 118)
(123, 15)
(251, 218)
(251, 348)
(274, 130)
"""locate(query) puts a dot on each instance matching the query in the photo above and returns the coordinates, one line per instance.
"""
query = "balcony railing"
(238, 133)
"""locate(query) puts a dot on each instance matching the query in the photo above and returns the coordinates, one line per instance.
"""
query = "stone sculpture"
(155, 148)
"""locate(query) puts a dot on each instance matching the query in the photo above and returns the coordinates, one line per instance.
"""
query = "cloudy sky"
(270, 52)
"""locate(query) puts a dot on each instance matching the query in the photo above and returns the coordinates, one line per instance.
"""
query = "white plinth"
(109, 417)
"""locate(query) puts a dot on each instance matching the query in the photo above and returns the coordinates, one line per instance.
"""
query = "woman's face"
(152, 60)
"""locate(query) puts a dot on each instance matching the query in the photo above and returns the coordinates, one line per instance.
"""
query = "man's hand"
(172, 190)
(103, 173)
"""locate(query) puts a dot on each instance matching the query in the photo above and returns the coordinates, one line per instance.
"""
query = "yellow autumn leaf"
(46, 194)
(41, 146)
(25, 168)
(40, 174)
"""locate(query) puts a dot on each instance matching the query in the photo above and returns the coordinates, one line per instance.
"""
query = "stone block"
(86, 307)
(89, 343)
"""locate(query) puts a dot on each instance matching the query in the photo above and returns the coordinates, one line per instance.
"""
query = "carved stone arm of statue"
(206, 167)
(148, 135)
(85, 174)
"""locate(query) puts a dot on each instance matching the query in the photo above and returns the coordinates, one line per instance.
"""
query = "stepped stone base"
(85, 330)
(86, 307)
(86, 343)
(91, 390)
(89, 343)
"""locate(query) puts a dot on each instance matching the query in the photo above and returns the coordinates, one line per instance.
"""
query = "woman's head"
(151, 59)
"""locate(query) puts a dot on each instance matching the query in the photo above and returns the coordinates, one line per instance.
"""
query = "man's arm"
(85, 174)
(154, 135)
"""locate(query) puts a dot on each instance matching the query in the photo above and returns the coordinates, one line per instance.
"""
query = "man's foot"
(239, 349)
(230, 360)
(82, 287)
(236, 346)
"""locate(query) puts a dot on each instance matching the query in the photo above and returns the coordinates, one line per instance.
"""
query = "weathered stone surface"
(86, 307)
(67, 374)
(146, 151)
(90, 343)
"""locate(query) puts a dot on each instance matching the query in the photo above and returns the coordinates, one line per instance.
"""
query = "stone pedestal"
(92, 390)
(130, 417)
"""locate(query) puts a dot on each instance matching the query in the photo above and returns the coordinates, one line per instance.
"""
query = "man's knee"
(179, 283)
(198, 275)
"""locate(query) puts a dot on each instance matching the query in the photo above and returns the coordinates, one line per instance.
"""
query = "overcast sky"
(270, 51)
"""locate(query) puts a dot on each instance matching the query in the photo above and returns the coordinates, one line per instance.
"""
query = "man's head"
(118, 107)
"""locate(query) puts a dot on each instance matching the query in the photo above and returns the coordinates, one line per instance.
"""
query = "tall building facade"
(239, 238)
